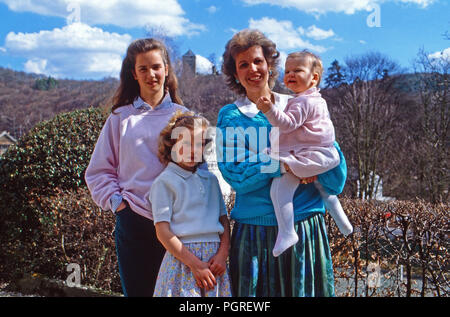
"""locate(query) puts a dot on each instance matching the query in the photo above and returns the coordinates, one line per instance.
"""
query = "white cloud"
(35, 65)
(74, 51)
(362, 42)
(317, 6)
(318, 34)
(166, 14)
(322, 6)
(443, 55)
(422, 3)
(212, 9)
(284, 34)
(203, 65)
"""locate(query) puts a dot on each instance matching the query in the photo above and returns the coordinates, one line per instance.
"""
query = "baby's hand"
(264, 104)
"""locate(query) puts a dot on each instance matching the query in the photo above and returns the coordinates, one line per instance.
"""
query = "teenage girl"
(125, 161)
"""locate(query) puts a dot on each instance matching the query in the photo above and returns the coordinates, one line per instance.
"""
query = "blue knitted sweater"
(240, 143)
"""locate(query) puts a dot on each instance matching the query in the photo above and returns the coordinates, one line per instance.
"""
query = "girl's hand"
(203, 276)
(218, 264)
(121, 206)
(264, 104)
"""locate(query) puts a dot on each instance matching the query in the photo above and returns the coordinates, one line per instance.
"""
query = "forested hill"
(26, 99)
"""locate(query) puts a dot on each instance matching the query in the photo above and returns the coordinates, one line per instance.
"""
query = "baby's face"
(298, 75)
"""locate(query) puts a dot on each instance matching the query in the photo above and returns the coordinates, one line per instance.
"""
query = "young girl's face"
(189, 148)
(150, 72)
(298, 75)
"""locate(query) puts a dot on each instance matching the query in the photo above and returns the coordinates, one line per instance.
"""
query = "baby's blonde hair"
(316, 62)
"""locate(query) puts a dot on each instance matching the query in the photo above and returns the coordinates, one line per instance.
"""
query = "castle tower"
(189, 62)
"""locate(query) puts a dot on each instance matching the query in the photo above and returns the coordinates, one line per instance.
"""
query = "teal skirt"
(304, 270)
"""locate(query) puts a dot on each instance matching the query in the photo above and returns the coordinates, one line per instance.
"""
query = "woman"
(250, 66)
(125, 161)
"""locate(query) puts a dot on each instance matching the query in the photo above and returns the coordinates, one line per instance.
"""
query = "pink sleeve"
(294, 117)
(101, 174)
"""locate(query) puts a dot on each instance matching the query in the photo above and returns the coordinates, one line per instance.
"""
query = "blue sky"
(87, 39)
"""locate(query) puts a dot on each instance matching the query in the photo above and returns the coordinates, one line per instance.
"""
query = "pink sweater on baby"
(125, 159)
(304, 123)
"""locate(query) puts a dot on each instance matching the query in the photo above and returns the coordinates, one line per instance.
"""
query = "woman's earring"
(237, 81)
(270, 72)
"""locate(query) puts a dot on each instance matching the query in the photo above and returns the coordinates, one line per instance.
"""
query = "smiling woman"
(305, 269)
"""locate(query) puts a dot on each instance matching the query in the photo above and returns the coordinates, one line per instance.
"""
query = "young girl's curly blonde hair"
(167, 141)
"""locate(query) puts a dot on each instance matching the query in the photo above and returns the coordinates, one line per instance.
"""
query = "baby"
(306, 145)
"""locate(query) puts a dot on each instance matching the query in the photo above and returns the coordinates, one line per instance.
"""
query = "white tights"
(282, 194)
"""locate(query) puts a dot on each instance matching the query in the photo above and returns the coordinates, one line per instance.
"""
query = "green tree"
(45, 83)
(51, 158)
(335, 75)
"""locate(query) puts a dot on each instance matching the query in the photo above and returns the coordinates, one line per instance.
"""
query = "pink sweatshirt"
(305, 122)
(306, 140)
(125, 160)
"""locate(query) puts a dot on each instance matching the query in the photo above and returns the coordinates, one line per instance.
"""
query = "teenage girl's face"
(189, 148)
(150, 72)
(252, 70)
(298, 75)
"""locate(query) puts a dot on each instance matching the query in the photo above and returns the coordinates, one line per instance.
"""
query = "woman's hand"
(264, 104)
(308, 180)
(303, 180)
(203, 275)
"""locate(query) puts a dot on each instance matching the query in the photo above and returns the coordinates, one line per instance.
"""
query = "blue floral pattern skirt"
(176, 279)
(304, 270)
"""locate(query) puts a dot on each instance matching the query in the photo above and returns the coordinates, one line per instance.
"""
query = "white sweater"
(191, 202)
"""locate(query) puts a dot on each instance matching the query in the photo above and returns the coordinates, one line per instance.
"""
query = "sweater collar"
(139, 103)
(185, 173)
(314, 91)
(249, 109)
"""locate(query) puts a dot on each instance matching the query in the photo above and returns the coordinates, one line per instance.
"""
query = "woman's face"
(252, 70)
(150, 72)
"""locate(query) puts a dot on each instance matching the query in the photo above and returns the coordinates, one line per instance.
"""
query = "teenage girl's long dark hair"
(128, 89)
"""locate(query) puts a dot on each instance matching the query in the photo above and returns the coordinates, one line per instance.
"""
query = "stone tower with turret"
(189, 62)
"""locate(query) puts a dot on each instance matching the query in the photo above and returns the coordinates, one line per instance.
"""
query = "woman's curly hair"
(167, 140)
(241, 42)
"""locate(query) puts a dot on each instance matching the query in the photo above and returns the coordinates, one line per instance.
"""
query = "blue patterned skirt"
(304, 270)
(176, 279)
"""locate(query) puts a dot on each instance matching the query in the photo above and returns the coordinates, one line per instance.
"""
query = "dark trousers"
(139, 253)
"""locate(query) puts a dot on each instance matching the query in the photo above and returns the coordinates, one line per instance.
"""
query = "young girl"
(305, 144)
(125, 163)
(189, 215)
